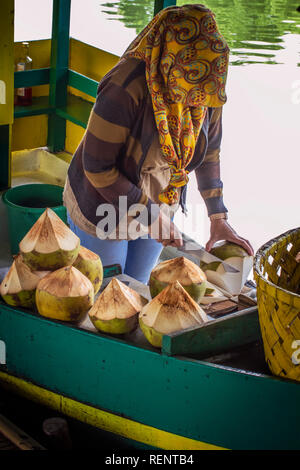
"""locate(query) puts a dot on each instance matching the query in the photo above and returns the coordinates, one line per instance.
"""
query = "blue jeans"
(136, 257)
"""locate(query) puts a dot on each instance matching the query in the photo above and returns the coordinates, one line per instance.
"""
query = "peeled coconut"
(49, 244)
(212, 295)
(89, 264)
(116, 309)
(19, 284)
(171, 310)
(65, 294)
(190, 276)
(237, 257)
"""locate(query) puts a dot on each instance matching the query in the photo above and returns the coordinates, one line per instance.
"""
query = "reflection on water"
(254, 29)
(260, 161)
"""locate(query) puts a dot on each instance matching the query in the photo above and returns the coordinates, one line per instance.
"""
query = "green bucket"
(25, 204)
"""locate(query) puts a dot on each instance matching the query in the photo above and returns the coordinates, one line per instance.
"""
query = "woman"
(157, 117)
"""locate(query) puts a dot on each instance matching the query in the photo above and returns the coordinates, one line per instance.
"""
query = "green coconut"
(181, 269)
(49, 244)
(89, 264)
(19, 285)
(225, 251)
(234, 255)
(116, 309)
(173, 309)
(65, 294)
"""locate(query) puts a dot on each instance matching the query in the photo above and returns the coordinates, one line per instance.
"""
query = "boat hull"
(137, 392)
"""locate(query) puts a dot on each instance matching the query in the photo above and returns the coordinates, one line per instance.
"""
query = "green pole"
(160, 4)
(59, 73)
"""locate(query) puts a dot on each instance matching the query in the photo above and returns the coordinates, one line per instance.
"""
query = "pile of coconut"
(52, 272)
(176, 287)
(55, 275)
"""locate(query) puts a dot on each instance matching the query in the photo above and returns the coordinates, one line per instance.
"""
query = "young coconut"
(19, 284)
(65, 294)
(212, 295)
(89, 263)
(116, 309)
(171, 310)
(49, 244)
(190, 276)
(234, 255)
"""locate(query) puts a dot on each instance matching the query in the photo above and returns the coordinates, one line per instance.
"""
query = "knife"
(194, 249)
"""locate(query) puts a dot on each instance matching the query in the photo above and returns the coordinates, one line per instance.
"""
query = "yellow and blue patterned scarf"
(186, 67)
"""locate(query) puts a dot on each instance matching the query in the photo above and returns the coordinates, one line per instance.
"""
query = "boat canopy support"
(60, 105)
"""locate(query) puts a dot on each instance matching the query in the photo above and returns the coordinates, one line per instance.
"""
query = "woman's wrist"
(218, 216)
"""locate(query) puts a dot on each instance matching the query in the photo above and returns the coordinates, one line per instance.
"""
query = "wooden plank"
(59, 72)
(17, 436)
(82, 83)
(40, 105)
(112, 270)
(218, 336)
(76, 110)
(160, 4)
(5, 444)
(33, 77)
(6, 89)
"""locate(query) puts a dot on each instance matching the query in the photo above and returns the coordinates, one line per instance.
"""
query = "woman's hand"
(221, 230)
(165, 231)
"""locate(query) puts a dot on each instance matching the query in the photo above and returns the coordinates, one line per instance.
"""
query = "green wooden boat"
(207, 388)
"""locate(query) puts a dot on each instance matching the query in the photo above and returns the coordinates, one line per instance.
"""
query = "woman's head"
(186, 61)
(185, 54)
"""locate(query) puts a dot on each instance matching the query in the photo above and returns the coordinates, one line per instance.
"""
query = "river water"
(261, 128)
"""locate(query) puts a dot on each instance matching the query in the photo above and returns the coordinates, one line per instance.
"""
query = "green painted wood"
(5, 156)
(40, 105)
(211, 403)
(221, 335)
(33, 77)
(59, 72)
(113, 270)
(160, 4)
(82, 83)
(76, 110)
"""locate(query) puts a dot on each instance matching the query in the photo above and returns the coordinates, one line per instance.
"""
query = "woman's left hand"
(221, 230)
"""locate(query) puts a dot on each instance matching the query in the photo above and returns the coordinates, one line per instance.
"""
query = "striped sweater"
(119, 154)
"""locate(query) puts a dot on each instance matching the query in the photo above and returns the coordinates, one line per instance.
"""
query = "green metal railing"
(60, 106)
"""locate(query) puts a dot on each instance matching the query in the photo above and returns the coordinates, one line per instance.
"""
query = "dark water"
(254, 29)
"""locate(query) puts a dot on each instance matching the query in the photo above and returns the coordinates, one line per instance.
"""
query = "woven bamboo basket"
(277, 275)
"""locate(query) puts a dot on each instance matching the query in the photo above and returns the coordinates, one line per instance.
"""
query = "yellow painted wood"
(102, 419)
(17, 436)
(29, 132)
(89, 61)
(74, 135)
(6, 61)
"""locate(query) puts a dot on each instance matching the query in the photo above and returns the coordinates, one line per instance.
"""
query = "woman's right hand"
(165, 231)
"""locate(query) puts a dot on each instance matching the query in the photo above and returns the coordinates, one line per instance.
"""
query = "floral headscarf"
(186, 67)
